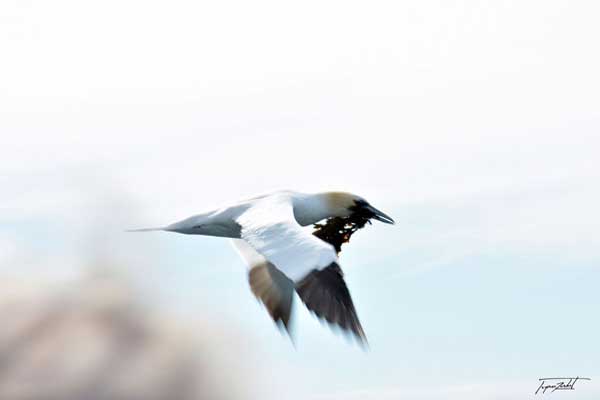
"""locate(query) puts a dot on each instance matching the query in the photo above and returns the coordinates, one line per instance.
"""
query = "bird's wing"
(268, 284)
(270, 228)
(325, 293)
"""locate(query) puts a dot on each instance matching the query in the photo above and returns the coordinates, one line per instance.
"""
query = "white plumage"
(269, 226)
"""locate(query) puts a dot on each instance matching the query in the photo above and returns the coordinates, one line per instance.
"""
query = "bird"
(283, 257)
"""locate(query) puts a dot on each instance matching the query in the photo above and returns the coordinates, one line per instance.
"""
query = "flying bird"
(284, 257)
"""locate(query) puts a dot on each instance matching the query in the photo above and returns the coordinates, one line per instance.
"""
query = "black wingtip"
(326, 295)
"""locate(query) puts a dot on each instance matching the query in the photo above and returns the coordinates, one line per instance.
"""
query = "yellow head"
(343, 204)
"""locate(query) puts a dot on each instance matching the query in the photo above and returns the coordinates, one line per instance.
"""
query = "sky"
(474, 124)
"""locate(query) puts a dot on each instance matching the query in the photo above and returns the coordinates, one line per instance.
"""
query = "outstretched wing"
(268, 284)
(270, 228)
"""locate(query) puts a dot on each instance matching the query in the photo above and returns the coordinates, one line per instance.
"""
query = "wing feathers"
(325, 293)
(286, 255)
(269, 226)
(268, 284)
(274, 290)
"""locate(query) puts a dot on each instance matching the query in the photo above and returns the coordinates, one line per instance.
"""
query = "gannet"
(284, 257)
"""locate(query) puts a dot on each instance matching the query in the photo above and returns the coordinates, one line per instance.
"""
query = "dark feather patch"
(337, 231)
(325, 293)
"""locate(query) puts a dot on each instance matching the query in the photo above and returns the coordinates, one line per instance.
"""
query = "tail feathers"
(146, 229)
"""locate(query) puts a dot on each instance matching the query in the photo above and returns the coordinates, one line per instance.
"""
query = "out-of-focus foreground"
(94, 340)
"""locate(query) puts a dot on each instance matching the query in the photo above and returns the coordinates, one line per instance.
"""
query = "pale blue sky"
(474, 124)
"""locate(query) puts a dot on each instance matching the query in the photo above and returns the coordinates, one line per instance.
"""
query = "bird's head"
(344, 204)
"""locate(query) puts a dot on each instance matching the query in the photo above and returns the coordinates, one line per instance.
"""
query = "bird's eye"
(360, 203)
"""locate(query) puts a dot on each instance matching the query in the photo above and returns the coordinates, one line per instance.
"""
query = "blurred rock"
(93, 341)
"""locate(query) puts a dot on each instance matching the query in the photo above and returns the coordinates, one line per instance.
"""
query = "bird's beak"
(380, 215)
